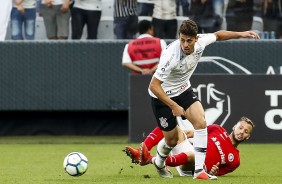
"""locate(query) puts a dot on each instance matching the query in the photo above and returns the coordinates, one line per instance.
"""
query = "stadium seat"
(106, 28)
(257, 24)
(107, 8)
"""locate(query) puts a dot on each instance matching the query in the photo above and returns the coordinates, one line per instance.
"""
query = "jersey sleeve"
(125, 56)
(165, 65)
(206, 39)
(212, 128)
(163, 45)
(225, 169)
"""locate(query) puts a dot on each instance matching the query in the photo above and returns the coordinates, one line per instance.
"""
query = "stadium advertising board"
(225, 98)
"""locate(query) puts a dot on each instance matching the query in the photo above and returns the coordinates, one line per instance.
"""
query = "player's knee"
(172, 141)
(200, 123)
(200, 126)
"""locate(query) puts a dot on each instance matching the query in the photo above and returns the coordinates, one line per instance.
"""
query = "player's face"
(187, 43)
(242, 131)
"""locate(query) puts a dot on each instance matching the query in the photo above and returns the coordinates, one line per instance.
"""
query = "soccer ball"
(75, 164)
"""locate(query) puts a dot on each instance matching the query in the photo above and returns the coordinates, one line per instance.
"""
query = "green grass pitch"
(39, 160)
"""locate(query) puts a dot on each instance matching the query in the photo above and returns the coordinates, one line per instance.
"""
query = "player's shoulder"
(215, 127)
(173, 45)
(163, 42)
(172, 51)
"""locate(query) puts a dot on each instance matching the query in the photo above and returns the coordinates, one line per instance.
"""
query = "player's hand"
(146, 71)
(214, 169)
(177, 110)
(250, 34)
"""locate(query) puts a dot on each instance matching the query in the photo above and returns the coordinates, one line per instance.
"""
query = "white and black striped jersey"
(125, 8)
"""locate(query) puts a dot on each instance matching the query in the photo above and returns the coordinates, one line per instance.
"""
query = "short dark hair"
(144, 26)
(189, 28)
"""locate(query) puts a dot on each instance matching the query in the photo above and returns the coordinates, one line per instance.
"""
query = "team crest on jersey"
(198, 53)
(199, 50)
(230, 157)
(163, 122)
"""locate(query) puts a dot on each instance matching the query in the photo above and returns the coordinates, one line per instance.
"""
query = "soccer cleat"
(134, 154)
(145, 155)
(164, 172)
(202, 175)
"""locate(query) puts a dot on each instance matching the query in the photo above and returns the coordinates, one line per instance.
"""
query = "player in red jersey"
(222, 155)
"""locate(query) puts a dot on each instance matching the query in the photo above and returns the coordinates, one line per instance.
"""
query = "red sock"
(154, 138)
(176, 160)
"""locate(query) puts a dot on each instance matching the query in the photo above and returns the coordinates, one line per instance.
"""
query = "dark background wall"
(225, 98)
(49, 84)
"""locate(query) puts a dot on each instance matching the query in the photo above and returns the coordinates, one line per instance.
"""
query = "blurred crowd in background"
(67, 19)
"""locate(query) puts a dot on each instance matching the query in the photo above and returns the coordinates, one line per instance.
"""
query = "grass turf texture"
(39, 160)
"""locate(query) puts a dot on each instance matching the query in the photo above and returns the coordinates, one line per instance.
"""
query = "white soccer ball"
(75, 164)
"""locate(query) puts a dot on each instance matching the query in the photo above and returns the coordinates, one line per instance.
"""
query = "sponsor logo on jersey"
(165, 66)
(218, 146)
(182, 88)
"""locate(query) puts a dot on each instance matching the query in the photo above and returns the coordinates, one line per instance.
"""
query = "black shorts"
(165, 119)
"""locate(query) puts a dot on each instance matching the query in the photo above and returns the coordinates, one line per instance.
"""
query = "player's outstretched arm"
(227, 35)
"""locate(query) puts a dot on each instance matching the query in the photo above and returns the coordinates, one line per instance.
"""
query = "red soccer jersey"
(145, 52)
(220, 149)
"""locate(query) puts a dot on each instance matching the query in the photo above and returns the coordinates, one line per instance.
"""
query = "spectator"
(239, 15)
(272, 16)
(125, 19)
(202, 12)
(219, 9)
(38, 4)
(164, 19)
(56, 16)
(145, 7)
(23, 17)
(185, 7)
(86, 12)
(142, 54)
(5, 10)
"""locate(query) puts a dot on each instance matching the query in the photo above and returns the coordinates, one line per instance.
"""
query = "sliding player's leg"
(142, 154)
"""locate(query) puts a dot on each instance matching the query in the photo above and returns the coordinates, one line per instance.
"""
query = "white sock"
(200, 147)
(163, 151)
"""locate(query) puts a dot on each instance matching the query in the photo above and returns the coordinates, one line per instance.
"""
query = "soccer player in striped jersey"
(125, 19)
